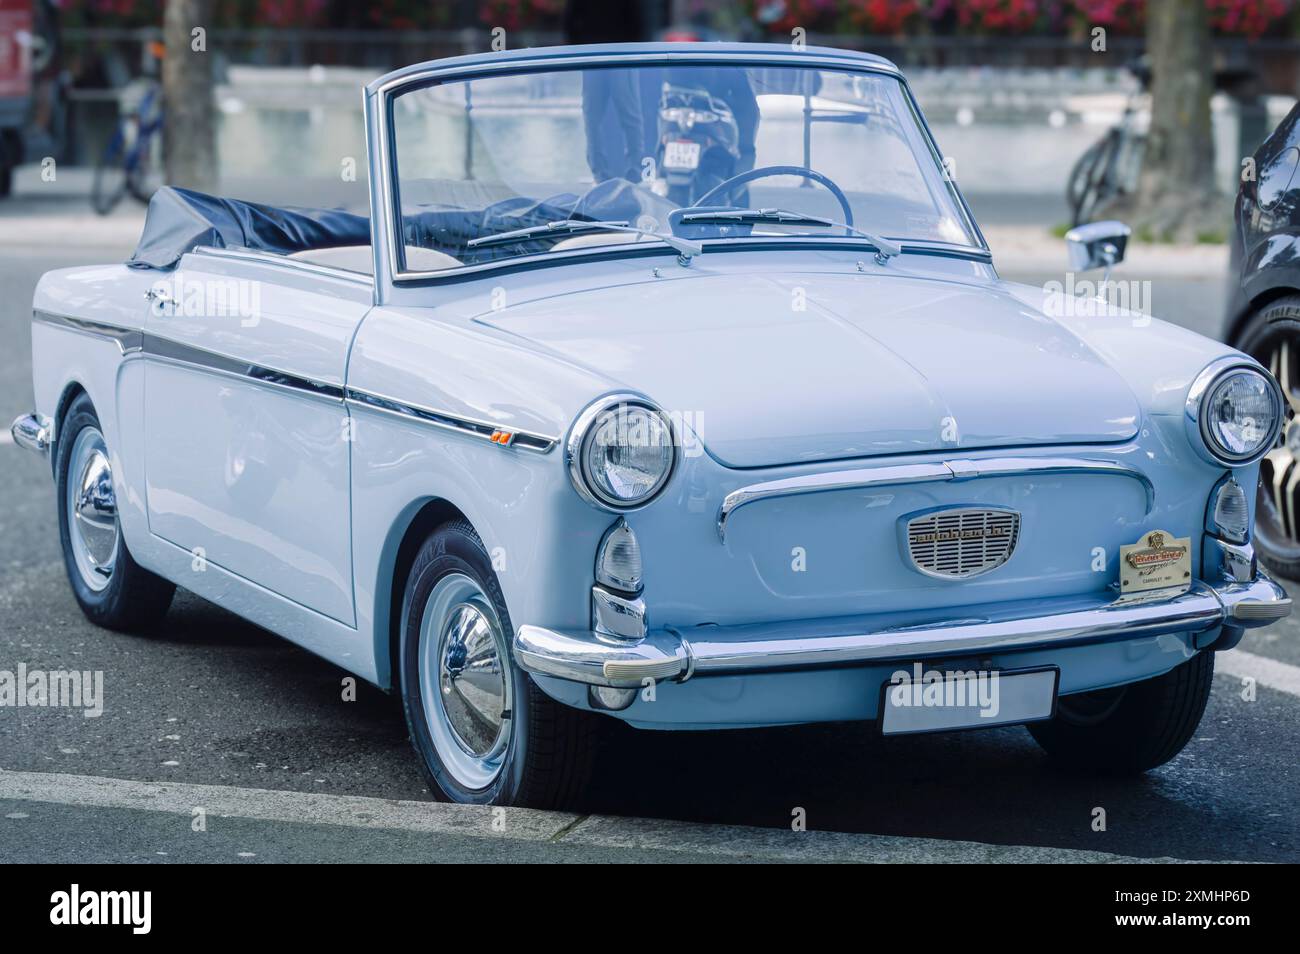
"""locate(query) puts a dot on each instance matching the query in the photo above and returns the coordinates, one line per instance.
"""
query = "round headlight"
(1239, 411)
(621, 453)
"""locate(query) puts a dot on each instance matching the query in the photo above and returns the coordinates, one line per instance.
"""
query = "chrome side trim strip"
(868, 478)
(176, 352)
(179, 353)
(128, 339)
(500, 434)
(808, 644)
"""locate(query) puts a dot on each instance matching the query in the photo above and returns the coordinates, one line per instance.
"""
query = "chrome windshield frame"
(385, 201)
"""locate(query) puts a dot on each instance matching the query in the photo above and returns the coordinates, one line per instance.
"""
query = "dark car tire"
(126, 597)
(1259, 336)
(546, 757)
(1131, 728)
(10, 155)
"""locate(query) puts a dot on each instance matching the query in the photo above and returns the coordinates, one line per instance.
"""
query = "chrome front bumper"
(680, 653)
(33, 432)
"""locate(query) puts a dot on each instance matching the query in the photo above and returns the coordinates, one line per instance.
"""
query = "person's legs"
(625, 101)
(605, 162)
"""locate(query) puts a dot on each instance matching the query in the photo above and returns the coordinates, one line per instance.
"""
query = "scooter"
(698, 143)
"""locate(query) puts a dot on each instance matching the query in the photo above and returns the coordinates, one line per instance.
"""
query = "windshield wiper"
(684, 247)
(886, 249)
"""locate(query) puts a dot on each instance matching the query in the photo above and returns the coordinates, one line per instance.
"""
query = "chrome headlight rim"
(582, 431)
(1199, 434)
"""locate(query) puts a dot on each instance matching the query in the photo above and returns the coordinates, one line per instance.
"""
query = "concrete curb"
(642, 834)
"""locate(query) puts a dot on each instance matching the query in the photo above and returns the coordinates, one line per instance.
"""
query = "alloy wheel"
(1278, 504)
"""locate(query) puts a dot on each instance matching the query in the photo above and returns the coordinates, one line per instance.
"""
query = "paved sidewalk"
(58, 214)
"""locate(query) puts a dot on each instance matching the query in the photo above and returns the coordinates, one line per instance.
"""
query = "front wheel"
(485, 733)
(1133, 728)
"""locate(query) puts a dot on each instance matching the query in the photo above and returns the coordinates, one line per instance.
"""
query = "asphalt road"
(212, 700)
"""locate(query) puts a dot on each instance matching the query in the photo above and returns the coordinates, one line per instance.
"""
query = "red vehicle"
(31, 84)
(16, 25)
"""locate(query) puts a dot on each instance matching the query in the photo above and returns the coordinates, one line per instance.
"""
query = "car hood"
(816, 367)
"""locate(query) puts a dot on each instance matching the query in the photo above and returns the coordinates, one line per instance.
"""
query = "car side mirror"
(1097, 245)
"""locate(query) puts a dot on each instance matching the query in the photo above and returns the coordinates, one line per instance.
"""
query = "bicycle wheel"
(1087, 179)
(142, 175)
(110, 177)
(144, 160)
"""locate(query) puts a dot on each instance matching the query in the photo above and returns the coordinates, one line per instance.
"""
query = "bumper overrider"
(1220, 612)
(33, 432)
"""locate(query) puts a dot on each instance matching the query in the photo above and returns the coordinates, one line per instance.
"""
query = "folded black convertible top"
(180, 219)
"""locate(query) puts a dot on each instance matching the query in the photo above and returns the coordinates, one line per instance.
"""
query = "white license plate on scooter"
(681, 154)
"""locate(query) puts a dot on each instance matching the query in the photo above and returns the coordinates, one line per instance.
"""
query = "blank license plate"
(966, 699)
(681, 155)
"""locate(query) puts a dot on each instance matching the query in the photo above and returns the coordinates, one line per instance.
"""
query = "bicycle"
(1109, 168)
(128, 161)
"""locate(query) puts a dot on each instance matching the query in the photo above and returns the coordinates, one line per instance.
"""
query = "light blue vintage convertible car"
(673, 384)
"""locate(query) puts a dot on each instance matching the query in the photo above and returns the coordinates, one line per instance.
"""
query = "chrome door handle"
(159, 297)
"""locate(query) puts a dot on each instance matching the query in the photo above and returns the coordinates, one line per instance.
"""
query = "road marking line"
(1267, 672)
(644, 834)
(6, 437)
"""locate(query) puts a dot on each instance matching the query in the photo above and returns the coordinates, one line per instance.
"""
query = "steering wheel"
(726, 188)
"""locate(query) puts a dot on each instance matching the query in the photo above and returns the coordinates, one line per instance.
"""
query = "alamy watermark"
(1084, 298)
(620, 426)
(207, 298)
(54, 689)
(932, 689)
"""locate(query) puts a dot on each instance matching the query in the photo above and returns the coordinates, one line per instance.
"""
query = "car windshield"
(540, 162)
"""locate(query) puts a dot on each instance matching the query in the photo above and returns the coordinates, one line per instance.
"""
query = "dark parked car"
(1264, 321)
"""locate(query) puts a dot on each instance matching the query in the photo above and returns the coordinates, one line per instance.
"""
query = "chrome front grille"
(964, 542)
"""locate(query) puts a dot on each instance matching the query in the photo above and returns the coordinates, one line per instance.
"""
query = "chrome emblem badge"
(1157, 560)
(961, 542)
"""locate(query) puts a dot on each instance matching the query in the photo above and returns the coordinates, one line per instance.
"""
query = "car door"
(247, 432)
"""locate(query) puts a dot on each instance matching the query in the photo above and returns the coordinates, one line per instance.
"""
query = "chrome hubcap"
(1279, 475)
(464, 681)
(92, 509)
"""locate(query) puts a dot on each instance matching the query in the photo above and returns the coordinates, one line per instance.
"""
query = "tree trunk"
(189, 128)
(1177, 199)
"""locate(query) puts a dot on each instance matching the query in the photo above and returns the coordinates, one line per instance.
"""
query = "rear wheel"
(484, 732)
(112, 589)
(1272, 337)
(1133, 728)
